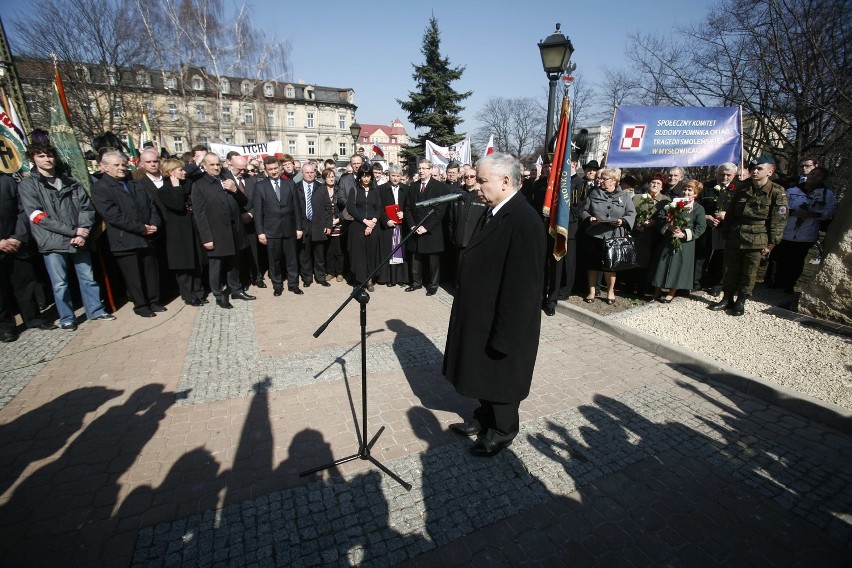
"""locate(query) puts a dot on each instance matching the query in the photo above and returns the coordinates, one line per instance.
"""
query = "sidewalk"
(178, 441)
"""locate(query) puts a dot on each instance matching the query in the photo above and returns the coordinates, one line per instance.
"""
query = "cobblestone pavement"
(179, 443)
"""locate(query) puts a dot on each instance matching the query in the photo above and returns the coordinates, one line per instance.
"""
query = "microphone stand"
(362, 297)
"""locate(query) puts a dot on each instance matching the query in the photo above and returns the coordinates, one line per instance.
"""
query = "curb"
(825, 413)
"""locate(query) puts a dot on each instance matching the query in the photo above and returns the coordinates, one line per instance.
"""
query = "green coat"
(675, 270)
(755, 217)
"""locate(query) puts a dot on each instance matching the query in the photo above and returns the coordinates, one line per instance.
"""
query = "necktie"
(124, 187)
(309, 191)
(277, 189)
(242, 184)
(488, 216)
(422, 187)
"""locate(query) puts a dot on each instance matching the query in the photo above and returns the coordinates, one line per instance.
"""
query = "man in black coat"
(217, 205)
(492, 340)
(251, 267)
(427, 245)
(311, 258)
(17, 274)
(279, 224)
(132, 222)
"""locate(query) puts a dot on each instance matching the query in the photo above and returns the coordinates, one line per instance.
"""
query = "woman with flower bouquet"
(645, 236)
(680, 222)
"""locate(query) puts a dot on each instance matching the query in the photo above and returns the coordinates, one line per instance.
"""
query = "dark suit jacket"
(433, 240)
(325, 210)
(125, 212)
(13, 220)
(273, 218)
(386, 193)
(492, 340)
(300, 195)
(217, 216)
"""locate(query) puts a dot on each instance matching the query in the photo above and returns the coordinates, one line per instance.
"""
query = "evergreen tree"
(435, 104)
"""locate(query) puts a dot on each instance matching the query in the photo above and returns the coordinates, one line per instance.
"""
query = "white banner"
(441, 156)
(274, 148)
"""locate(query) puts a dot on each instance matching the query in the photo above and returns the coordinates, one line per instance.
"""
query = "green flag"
(131, 149)
(62, 138)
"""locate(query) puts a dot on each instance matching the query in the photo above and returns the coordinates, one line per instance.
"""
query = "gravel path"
(814, 362)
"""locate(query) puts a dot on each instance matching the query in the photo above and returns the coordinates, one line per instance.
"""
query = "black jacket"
(217, 216)
(126, 213)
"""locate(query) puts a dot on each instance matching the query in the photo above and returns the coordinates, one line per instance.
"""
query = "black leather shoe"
(224, 303)
(307, 284)
(469, 428)
(260, 283)
(243, 296)
(413, 288)
(46, 326)
(8, 336)
(739, 306)
(204, 300)
(431, 292)
(323, 283)
(726, 303)
(145, 313)
(278, 291)
(485, 448)
(550, 310)
(371, 288)
(158, 308)
(298, 291)
(195, 303)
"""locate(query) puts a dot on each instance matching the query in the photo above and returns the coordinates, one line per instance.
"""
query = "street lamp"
(355, 131)
(556, 51)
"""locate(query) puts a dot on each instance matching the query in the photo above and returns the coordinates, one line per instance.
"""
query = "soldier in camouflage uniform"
(754, 223)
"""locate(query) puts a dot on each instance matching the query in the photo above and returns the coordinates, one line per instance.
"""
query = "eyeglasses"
(470, 177)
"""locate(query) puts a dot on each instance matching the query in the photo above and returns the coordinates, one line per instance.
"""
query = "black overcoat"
(432, 241)
(183, 249)
(492, 341)
(125, 212)
(217, 216)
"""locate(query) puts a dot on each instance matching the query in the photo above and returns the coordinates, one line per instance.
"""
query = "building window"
(178, 144)
(224, 86)
(118, 109)
(291, 147)
(149, 108)
(143, 79)
(270, 117)
(249, 116)
(245, 88)
(251, 141)
(197, 83)
(226, 114)
(203, 140)
(290, 92)
(171, 82)
(200, 114)
(310, 122)
(268, 90)
(312, 148)
(341, 149)
(341, 121)
(112, 76)
(291, 118)
(173, 114)
(309, 93)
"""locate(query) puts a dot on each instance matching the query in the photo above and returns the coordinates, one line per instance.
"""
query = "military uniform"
(754, 220)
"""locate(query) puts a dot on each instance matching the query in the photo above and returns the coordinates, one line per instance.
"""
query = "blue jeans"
(57, 269)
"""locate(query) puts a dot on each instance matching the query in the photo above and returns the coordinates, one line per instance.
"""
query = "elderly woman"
(365, 206)
(645, 235)
(184, 254)
(608, 213)
(680, 223)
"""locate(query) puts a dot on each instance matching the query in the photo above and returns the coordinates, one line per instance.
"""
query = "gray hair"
(503, 165)
(727, 167)
(614, 173)
(394, 169)
(425, 162)
(679, 170)
(113, 154)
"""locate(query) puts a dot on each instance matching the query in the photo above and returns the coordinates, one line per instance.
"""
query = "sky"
(371, 48)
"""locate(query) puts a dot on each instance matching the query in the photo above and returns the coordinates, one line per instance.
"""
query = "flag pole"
(609, 140)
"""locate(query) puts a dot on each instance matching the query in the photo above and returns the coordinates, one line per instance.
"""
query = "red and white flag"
(377, 149)
(490, 148)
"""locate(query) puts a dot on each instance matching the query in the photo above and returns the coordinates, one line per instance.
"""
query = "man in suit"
(427, 245)
(311, 258)
(251, 269)
(492, 340)
(217, 205)
(278, 223)
(132, 222)
(17, 273)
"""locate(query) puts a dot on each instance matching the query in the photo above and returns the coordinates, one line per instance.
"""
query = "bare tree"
(618, 87)
(517, 124)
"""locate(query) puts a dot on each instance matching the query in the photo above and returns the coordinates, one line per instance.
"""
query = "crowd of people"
(201, 225)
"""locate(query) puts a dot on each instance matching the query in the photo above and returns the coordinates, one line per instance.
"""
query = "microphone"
(449, 198)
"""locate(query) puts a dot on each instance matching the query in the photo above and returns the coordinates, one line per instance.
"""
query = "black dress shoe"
(549, 310)
(431, 292)
(8, 336)
(224, 303)
(469, 428)
(260, 283)
(46, 326)
(371, 288)
(324, 283)
(145, 313)
(243, 296)
(413, 288)
(298, 291)
(204, 300)
(485, 448)
(278, 291)
(158, 308)
(307, 284)
(195, 303)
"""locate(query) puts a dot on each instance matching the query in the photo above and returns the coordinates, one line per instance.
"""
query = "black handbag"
(619, 253)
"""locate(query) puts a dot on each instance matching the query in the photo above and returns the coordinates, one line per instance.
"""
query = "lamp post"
(556, 51)
(355, 131)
